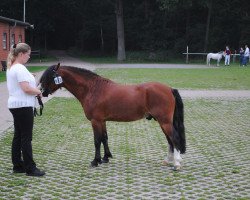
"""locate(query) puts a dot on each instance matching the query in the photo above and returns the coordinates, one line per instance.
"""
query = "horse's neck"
(75, 84)
(80, 86)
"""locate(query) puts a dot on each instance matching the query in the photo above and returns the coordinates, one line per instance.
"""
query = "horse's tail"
(178, 123)
(207, 59)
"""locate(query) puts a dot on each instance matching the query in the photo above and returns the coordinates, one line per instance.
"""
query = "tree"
(209, 5)
(121, 55)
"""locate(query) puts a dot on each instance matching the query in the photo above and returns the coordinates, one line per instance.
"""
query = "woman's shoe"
(20, 170)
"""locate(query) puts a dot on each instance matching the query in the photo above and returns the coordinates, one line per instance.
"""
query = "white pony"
(215, 56)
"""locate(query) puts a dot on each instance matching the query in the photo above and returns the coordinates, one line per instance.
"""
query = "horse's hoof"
(110, 155)
(177, 168)
(99, 161)
(166, 163)
(105, 160)
(95, 163)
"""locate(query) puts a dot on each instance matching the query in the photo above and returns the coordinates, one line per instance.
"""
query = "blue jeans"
(227, 60)
(241, 60)
(245, 60)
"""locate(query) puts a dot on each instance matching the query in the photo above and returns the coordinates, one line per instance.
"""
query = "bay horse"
(104, 100)
(215, 56)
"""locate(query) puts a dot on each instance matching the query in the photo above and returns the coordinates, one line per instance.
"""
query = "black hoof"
(149, 117)
(95, 163)
(110, 155)
(105, 160)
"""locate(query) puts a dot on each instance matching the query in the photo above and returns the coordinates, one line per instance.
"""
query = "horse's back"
(156, 87)
(210, 55)
(137, 92)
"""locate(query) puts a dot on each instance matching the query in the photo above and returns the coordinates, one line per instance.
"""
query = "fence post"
(234, 56)
(187, 56)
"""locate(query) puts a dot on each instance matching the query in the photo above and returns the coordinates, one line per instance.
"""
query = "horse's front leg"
(97, 129)
(218, 62)
(107, 153)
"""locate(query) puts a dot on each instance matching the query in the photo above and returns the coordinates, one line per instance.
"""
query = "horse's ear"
(57, 67)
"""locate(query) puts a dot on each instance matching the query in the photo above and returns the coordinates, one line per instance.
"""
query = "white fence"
(205, 54)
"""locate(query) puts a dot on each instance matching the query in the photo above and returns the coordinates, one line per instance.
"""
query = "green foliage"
(132, 57)
(162, 25)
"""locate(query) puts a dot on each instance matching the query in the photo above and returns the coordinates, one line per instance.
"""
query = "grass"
(224, 78)
(229, 78)
(31, 69)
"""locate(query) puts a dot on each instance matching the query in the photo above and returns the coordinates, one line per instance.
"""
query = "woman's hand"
(40, 95)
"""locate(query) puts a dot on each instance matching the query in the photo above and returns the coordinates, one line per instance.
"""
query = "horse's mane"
(87, 74)
(82, 71)
(47, 75)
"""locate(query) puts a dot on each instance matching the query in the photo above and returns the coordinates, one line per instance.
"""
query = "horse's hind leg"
(169, 160)
(107, 153)
(169, 131)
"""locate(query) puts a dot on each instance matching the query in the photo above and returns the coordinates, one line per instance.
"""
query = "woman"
(241, 56)
(246, 56)
(22, 92)
(227, 56)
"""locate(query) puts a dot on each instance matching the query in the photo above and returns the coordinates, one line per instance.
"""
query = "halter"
(57, 78)
(41, 107)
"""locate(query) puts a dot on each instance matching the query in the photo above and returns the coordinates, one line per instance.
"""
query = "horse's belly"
(125, 113)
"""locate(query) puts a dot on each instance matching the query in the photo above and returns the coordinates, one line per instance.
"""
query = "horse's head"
(50, 80)
(222, 53)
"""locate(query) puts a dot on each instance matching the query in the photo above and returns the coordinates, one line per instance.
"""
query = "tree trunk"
(187, 36)
(102, 40)
(120, 31)
(210, 4)
(146, 9)
(45, 42)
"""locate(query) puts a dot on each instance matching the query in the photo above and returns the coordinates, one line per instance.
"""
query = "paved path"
(6, 119)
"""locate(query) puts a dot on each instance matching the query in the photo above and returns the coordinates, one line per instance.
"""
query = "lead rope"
(41, 107)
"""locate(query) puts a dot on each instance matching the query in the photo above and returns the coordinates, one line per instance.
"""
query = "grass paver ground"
(216, 165)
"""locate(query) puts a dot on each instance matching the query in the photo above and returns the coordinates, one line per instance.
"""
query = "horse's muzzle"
(45, 94)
